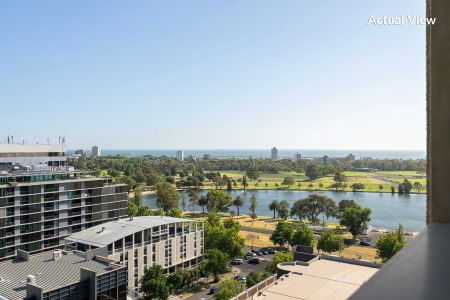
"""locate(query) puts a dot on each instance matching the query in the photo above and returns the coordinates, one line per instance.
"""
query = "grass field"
(371, 181)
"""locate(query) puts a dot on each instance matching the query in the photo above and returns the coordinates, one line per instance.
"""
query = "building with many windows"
(96, 151)
(38, 209)
(33, 155)
(180, 155)
(274, 153)
(58, 275)
(142, 242)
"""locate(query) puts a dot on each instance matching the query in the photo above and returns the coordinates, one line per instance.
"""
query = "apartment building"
(58, 275)
(96, 151)
(274, 153)
(33, 155)
(142, 242)
(42, 204)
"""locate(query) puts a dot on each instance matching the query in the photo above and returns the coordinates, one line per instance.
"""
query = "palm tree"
(418, 186)
(238, 202)
(193, 199)
(273, 206)
(203, 201)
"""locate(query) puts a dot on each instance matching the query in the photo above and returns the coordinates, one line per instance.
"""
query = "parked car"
(236, 261)
(213, 290)
(241, 279)
(350, 242)
(249, 254)
(271, 251)
(253, 261)
(363, 243)
(258, 253)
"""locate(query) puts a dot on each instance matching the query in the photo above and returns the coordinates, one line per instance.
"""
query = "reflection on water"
(388, 210)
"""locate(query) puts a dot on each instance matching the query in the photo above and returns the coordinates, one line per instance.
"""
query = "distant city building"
(298, 156)
(79, 152)
(326, 160)
(141, 242)
(33, 155)
(96, 151)
(274, 153)
(62, 275)
(350, 157)
(180, 155)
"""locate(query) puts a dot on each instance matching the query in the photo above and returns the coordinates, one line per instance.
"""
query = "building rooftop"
(104, 234)
(50, 274)
(321, 279)
(27, 148)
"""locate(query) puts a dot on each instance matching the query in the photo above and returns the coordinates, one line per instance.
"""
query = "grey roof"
(104, 234)
(50, 274)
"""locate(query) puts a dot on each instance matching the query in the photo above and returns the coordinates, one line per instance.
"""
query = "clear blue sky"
(213, 74)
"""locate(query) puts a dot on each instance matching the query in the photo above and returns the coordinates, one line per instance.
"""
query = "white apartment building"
(180, 155)
(142, 242)
(274, 153)
(96, 151)
(33, 155)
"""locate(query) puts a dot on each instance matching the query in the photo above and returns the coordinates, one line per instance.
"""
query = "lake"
(388, 210)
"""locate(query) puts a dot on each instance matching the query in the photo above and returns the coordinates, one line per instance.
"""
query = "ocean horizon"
(265, 153)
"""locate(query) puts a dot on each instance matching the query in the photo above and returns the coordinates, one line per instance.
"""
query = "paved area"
(245, 269)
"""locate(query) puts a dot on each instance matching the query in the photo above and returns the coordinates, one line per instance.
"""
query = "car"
(253, 261)
(264, 252)
(350, 242)
(258, 253)
(250, 254)
(363, 243)
(236, 261)
(213, 290)
(240, 278)
(271, 251)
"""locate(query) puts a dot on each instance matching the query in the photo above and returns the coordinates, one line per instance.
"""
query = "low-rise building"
(145, 241)
(67, 275)
(318, 277)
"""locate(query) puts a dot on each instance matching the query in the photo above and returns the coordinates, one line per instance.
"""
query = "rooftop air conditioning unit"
(31, 279)
(57, 254)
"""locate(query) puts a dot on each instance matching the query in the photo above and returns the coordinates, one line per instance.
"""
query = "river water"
(388, 210)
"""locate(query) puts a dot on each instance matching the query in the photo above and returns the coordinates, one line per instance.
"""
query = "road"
(245, 269)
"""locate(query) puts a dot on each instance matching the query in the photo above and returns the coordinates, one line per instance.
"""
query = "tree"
(311, 207)
(228, 289)
(238, 202)
(380, 187)
(218, 201)
(214, 262)
(137, 199)
(357, 187)
(175, 213)
(252, 207)
(253, 174)
(166, 196)
(339, 177)
(223, 236)
(154, 284)
(418, 186)
(273, 206)
(346, 203)
(132, 209)
(193, 198)
(336, 186)
(313, 171)
(288, 181)
(279, 257)
(282, 233)
(297, 210)
(244, 182)
(203, 201)
(254, 278)
(389, 244)
(392, 190)
(401, 188)
(183, 202)
(283, 209)
(179, 279)
(356, 219)
(303, 236)
(330, 242)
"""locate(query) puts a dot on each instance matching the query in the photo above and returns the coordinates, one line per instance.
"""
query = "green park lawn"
(371, 181)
